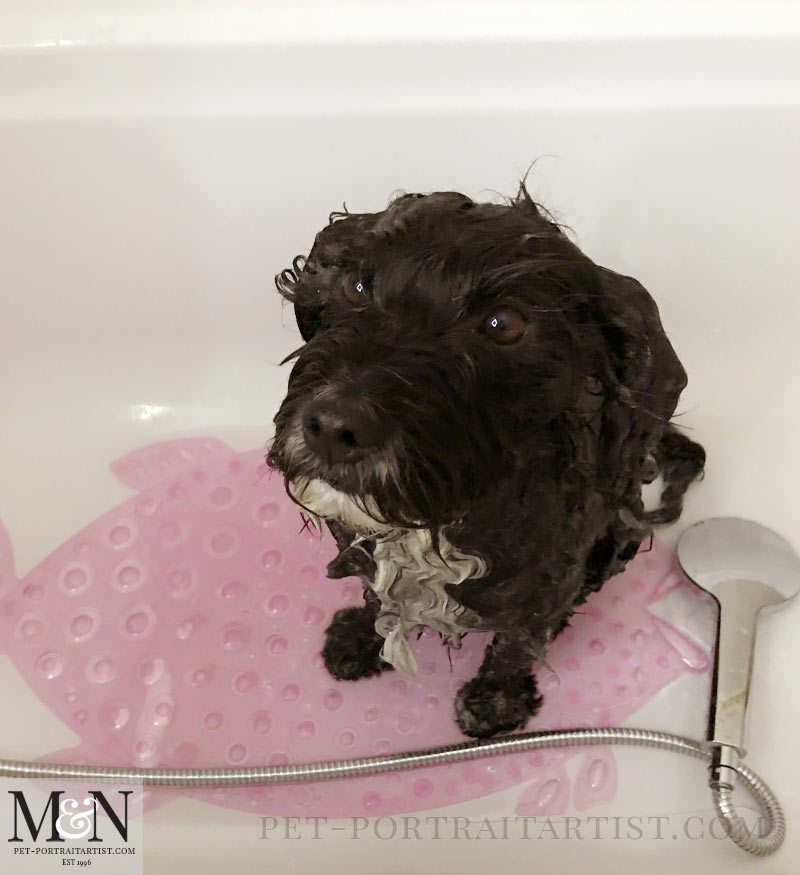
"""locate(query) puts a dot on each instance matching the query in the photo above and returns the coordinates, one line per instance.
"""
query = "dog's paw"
(352, 646)
(488, 706)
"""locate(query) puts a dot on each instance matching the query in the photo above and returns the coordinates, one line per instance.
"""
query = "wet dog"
(474, 412)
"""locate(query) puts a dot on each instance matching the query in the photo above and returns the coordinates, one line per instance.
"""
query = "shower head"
(727, 548)
(746, 568)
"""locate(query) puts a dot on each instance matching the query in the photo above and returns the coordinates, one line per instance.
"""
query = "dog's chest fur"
(410, 580)
(410, 577)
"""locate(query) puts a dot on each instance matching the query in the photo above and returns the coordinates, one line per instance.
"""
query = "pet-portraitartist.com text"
(411, 828)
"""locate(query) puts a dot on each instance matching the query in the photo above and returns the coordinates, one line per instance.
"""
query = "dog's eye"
(354, 289)
(505, 326)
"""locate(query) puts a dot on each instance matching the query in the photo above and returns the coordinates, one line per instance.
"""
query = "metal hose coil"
(774, 823)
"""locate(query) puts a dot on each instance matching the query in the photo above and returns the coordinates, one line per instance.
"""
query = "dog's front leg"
(352, 646)
(502, 696)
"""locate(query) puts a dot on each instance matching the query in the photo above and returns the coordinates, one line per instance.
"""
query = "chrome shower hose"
(769, 838)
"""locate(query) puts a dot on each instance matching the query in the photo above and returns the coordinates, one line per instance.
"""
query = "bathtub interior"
(150, 195)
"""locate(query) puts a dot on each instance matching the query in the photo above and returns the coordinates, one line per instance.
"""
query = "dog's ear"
(308, 319)
(288, 283)
(309, 281)
(640, 359)
(306, 285)
(644, 380)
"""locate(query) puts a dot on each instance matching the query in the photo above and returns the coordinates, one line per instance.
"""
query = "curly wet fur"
(352, 646)
(530, 456)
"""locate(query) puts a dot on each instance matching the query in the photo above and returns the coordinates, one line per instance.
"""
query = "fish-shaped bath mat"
(184, 628)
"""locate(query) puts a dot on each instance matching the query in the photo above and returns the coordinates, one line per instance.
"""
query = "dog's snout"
(342, 430)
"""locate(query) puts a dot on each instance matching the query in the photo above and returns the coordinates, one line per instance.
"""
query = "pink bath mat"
(184, 628)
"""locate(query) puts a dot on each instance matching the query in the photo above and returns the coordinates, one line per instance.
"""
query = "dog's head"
(453, 348)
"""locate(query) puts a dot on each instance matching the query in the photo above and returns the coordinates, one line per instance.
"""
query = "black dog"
(474, 412)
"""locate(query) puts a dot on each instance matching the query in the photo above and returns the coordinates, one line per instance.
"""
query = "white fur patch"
(326, 502)
(410, 576)
(410, 582)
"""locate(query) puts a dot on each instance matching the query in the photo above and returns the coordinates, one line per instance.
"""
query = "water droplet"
(30, 627)
(237, 753)
(598, 774)
(270, 559)
(140, 621)
(118, 717)
(200, 677)
(277, 603)
(128, 577)
(245, 682)
(233, 589)
(101, 670)
(404, 723)
(313, 615)
(234, 636)
(277, 644)
(185, 629)
(180, 581)
(120, 536)
(213, 720)
(75, 579)
(346, 738)
(306, 730)
(152, 671)
(290, 693)
(143, 749)
(81, 626)
(33, 591)
(262, 722)
(547, 794)
(423, 788)
(50, 664)
(164, 711)
(332, 700)
(371, 801)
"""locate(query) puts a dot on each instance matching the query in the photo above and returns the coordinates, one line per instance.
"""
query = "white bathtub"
(159, 165)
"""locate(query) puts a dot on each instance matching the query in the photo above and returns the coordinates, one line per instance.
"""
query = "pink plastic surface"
(184, 627)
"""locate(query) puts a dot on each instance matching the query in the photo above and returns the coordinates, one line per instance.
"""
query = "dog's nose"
(342, 430)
